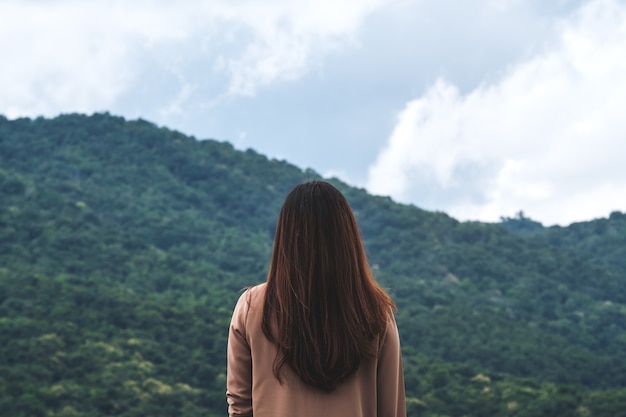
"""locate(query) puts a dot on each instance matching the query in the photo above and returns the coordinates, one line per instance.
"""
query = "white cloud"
(546, 138)
(46, 63)
(70, 55)
(290, 37)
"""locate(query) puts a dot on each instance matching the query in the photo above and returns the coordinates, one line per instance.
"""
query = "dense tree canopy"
(123, 247)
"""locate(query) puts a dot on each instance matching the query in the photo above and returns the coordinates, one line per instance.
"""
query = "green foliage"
(521, 224)
(123, 247)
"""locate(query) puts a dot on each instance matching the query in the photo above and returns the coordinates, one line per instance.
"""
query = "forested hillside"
(123, 247)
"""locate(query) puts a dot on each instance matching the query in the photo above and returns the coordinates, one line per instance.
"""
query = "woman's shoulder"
(255, 293)
(257, 289)
(252, 296)
(250, 302)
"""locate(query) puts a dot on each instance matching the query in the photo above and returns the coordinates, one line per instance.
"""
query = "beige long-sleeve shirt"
(376, 390)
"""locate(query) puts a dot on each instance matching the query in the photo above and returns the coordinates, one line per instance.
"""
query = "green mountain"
(123, 247)
(605, 239)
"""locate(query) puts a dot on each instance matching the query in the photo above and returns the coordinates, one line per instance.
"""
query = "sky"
(476, 108)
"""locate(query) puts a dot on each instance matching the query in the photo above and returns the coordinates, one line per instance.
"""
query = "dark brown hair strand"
(323, 308)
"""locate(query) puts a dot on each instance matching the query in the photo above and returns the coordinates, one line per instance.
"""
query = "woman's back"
(375, 390)
(319, 337)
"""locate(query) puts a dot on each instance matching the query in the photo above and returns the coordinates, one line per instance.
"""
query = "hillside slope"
(123, 247)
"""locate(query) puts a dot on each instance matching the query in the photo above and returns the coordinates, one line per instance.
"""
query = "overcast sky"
(478, 108)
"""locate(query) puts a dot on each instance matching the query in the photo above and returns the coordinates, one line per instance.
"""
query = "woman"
(318, 338)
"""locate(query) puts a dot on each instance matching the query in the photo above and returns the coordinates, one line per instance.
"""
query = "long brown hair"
(321, 298)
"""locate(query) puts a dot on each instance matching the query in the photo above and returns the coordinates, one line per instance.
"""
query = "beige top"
(376, 390)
